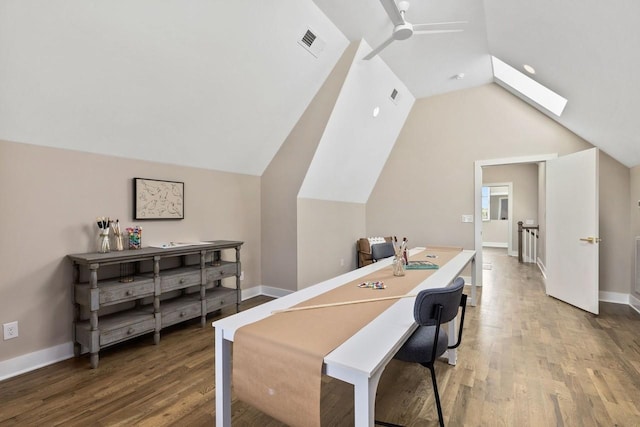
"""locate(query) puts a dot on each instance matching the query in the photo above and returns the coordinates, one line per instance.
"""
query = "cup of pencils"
(117, 235)
(103, 234)
(400, 258)
(135, 237)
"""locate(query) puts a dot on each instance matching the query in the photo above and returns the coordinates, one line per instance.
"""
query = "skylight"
(528, 87)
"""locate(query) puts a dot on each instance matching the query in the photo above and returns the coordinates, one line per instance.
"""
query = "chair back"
(427, 301)
(382, 250)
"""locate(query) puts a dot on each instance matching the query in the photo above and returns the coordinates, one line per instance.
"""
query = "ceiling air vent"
(395, 95)
(312, 43)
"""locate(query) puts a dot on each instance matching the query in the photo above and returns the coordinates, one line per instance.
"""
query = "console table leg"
(94, 360)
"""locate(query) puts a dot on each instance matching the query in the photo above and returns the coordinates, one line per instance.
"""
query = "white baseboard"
(614, 297)
(634, 303)
(542, 268)
(495, 244)
(38, 359)
(245, 294)
(268, 291)
(274, 292)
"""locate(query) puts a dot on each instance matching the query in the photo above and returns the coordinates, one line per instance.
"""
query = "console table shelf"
(160, 287)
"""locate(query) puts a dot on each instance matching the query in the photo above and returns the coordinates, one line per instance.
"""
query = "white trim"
(614, 297)
(634, 303)
(268, 291)
(274, 292)
(542, 268)
(495, 245)
(37, 359)
(246, 294)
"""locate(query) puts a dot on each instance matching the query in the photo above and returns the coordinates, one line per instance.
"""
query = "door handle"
(591, 239)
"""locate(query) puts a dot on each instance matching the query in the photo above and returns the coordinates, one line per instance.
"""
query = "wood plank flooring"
(525, 360)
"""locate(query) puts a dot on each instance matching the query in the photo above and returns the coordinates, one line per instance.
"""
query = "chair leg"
(435, 392)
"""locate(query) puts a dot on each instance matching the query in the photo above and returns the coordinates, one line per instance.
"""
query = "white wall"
(156, 80)
(355, 144)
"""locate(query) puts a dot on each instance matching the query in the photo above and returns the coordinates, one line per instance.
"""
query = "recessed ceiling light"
(459, 76)
(376, 111)
(529, 69)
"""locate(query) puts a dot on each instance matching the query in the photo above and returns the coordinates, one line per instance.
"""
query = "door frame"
(478, 165)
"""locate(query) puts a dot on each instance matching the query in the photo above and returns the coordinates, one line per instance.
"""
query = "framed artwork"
(157, 199)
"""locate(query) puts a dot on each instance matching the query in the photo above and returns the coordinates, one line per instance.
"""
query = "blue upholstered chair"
(382, 250)
(432, 308)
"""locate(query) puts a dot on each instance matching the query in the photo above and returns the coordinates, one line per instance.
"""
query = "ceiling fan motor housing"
(403, 31)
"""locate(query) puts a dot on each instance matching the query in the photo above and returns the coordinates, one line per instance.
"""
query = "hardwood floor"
(525, 360)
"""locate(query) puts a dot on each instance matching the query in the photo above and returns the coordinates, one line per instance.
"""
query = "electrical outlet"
(242, 275)
(341, 262)
(10, 330)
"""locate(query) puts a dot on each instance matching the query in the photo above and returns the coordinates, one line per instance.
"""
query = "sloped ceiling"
(586, 51)
(217, 85)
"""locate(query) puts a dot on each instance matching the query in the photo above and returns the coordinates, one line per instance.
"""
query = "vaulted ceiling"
(586, 51)
(220, 85)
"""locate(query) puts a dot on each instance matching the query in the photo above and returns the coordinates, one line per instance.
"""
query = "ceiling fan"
(402, 29)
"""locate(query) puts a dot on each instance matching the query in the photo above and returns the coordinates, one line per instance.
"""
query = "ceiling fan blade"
(377, 50)
(437, 31)
(392, 10)
(430, 26)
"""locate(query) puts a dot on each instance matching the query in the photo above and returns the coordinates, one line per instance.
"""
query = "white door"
(572, 229)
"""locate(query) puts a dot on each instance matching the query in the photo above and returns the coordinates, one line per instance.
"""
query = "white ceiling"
(586, 51)
(220, 85)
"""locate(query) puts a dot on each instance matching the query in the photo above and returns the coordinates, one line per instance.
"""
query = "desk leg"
(452, 353)
(223, 380)
(474, 281)
(364, 393)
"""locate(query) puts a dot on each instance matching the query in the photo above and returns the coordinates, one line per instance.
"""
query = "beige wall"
(635, 224)
(50, 199)
(494, 232)
(282, 179)
(427, 183)
(327, 235)
(615, 262)
(525, 193)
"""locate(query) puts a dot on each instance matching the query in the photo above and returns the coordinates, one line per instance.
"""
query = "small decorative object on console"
(135, 237)
(103, 234)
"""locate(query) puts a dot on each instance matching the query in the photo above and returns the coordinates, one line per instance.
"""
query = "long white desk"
(381, 338)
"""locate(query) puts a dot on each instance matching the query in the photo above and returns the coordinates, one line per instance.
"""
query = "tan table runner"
(277, 361)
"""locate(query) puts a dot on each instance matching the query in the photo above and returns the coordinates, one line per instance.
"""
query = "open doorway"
(497, 171)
